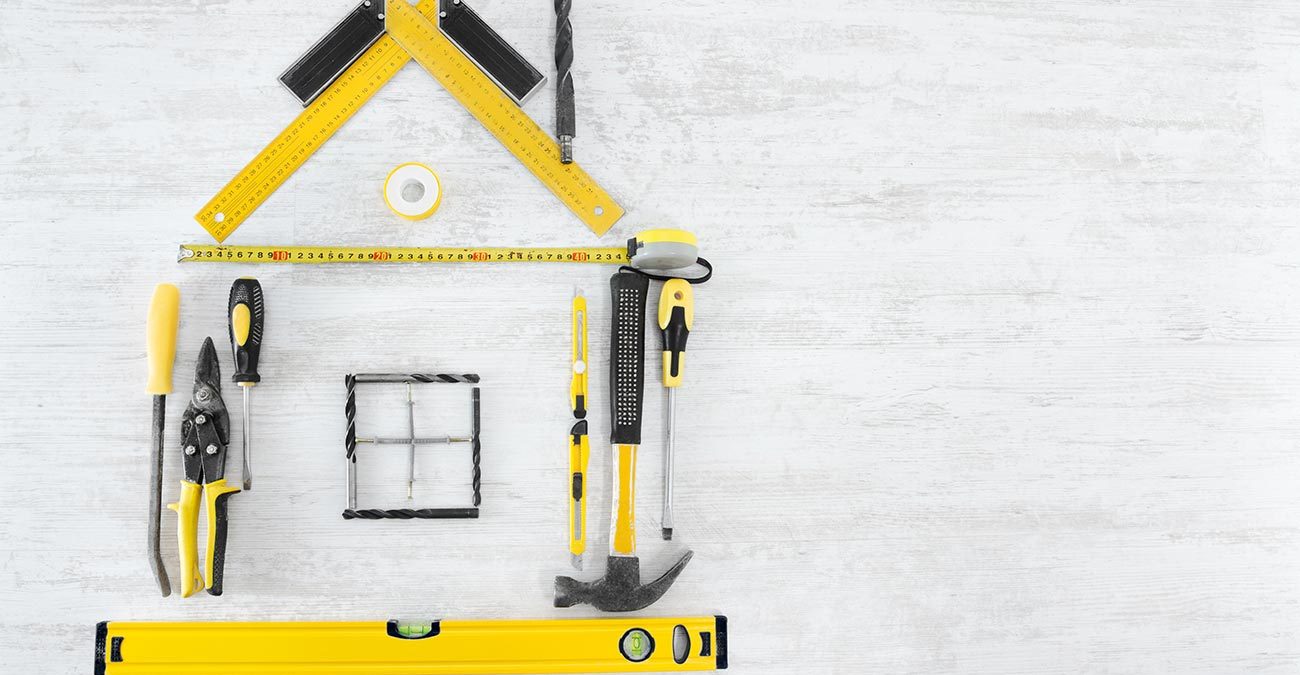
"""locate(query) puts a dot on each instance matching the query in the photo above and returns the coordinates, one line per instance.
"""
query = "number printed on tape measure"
(327, 254)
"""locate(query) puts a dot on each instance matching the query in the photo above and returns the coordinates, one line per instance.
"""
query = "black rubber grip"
(247, 292)
(674, 339)
(218, 552)
(328, 58)
(511, 71)
(628, 292)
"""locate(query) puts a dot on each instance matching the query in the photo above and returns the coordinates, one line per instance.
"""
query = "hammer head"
(620, 590)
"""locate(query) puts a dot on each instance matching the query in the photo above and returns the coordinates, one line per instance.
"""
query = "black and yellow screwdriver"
(676, 314)
(247, 314)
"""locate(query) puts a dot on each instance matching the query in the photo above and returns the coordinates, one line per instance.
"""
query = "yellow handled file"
(164, 319)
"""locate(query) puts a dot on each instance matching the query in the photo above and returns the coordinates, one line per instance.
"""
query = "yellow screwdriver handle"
(187, 536)
(676, 316)
(164, 318)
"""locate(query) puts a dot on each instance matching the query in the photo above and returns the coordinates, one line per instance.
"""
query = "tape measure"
(319, 255)
(410, 33)
(659, 249)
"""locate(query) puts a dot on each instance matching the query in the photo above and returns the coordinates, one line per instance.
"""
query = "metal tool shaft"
(437, 440)
(565, 123)
(670, 445)
(248, 444)
(155, 495)
(410, 419)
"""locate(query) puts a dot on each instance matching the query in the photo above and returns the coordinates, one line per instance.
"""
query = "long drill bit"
(565, 126)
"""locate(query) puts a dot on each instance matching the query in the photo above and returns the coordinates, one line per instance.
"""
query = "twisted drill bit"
(565, 126)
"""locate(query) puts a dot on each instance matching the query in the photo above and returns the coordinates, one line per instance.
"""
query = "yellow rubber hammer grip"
(622, 538)
(164, 318)
(187, 536)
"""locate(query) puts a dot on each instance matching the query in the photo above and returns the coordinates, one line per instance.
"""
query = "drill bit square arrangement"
(351, 440)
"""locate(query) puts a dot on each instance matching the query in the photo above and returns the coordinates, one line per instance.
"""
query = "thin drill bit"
(565, 126)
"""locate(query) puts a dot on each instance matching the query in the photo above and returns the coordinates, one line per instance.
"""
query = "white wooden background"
(998, 373)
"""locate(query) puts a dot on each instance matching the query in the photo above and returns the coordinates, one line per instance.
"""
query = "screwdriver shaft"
(248, 446)
(670, 445)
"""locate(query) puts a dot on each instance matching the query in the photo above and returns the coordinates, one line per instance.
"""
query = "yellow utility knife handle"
(187, 536)
(579, 453)
(676, 316)
(578, 385)
(215, 495)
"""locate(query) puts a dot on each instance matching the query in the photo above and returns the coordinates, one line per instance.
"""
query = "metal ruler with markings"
(409, 31)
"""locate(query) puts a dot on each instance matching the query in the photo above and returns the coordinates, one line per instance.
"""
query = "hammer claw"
(620, 590)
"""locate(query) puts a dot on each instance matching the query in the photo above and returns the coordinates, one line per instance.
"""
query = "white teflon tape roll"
(412, 191)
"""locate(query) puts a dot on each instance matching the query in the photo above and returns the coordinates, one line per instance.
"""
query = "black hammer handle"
(627, 356)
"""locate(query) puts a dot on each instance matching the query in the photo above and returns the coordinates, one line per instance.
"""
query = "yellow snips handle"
(187, 536)
(213, 496)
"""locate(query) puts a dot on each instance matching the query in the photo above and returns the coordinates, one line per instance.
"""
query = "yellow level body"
(320, 255)
(411, 32)
(623, 645)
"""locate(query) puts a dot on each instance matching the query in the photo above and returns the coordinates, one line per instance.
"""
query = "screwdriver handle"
(247, 314)
(676, 315)
(164, 318)
(627, 356)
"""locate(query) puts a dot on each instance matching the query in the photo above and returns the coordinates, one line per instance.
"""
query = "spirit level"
(628, 645)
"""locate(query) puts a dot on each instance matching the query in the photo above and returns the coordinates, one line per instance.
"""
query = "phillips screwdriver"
(160, 338)
(676, 314)
(247, 315)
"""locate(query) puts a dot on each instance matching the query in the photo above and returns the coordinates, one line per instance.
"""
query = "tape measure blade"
(533, 147)
(317, 255)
